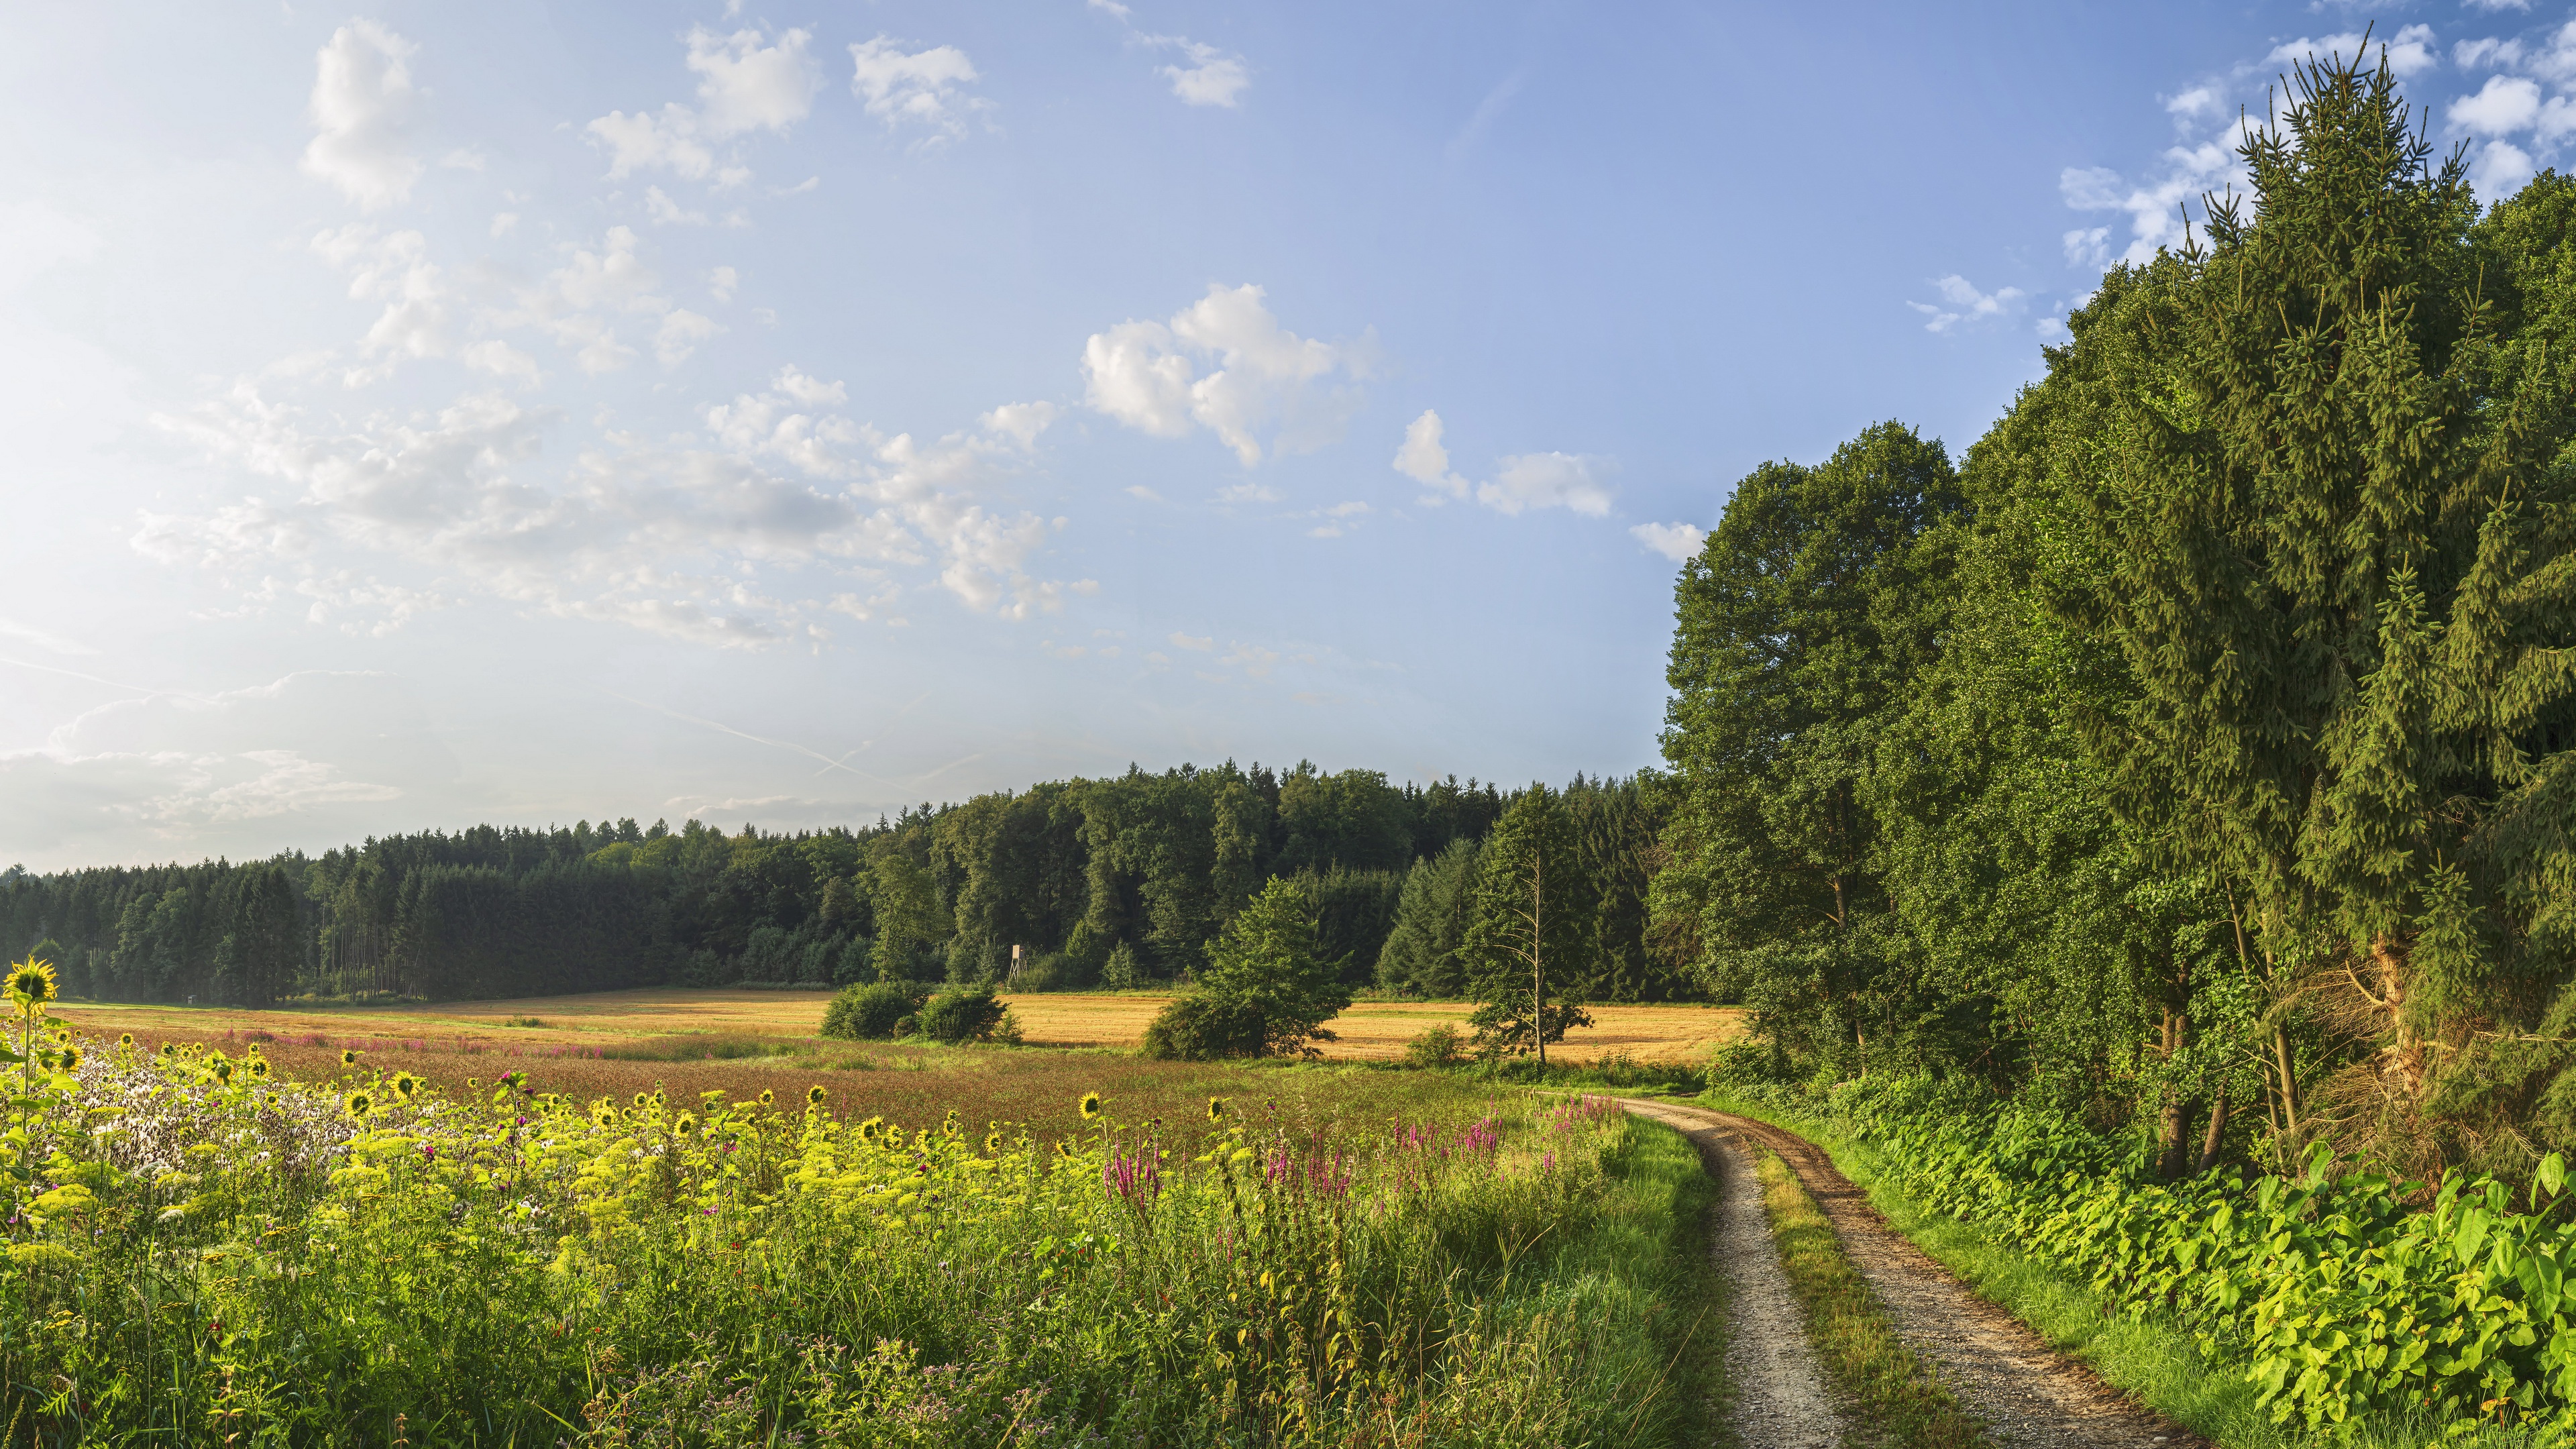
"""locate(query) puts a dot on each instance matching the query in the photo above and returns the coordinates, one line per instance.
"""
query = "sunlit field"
(1368, 1031)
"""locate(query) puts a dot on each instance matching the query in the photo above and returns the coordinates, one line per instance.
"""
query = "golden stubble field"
(742, 1042)
(1369, 1030)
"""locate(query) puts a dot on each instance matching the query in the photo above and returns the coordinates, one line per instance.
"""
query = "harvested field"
(569, 1025)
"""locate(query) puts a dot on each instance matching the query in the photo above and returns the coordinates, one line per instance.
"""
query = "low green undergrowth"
(198, 1252)
(2259, 1313)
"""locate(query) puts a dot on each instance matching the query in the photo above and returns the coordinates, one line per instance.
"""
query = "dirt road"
(2027, 1395)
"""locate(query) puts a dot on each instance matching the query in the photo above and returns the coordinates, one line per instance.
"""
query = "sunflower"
(349, 1057)
(473, 1084)
(31, 984)
(643, 1100)
(685, 1126)
(258, 1068)
(125, 1038)
(1216, 1109)
(871, 1128)
(813, 1095)
(1063, 1149)
(169, 1048)
(223, 1071)
(360, 1104)
(405, 1085)
(68, 1059)
(605, 1114)
(993, 1142)
(769, 1098)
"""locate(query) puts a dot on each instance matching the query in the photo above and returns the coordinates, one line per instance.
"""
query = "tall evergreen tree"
(1529, 930)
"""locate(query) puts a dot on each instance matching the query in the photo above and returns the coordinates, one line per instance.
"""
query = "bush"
(1050, 972)
(964, 1014)
(1438, 1046)
(1125, 972)
(1199, 1028)
(874, 1012)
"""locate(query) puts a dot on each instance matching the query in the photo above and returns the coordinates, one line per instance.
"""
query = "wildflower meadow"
(200, 1251)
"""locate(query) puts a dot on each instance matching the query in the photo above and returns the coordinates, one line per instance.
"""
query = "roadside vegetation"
(200, 1249)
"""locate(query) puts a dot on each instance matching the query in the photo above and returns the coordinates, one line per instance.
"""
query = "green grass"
(1651, 1230)
(1899, 1399)
(2153, 1361)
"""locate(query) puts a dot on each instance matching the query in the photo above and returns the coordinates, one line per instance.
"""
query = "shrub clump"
(873, 1012)
(1265, 992)
(1200, 1028)
(1437, 1046)
(964, 1014)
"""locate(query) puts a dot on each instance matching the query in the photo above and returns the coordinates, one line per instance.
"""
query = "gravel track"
(2026, 1394)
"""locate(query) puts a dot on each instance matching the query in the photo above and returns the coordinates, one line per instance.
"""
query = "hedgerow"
(2338, 1294)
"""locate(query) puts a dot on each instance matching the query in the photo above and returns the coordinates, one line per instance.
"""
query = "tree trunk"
(2404, 1054)
(2215, 1138)
(2173, 1119)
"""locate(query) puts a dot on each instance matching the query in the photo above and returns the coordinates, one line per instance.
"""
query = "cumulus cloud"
(1211, 78)
(2409, 51)
(1961, 303)
(1521, 482)
(361, 111)
(2504, 105)
(924, 88)
(743, 86)
(1675, 541)
(2183, 175)
(1224, 363)
(1423, 459)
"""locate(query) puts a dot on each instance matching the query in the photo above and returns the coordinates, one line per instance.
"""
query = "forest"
(2196, 755)
(1119, 882)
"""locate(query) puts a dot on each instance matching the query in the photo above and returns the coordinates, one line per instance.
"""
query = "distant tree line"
(1122, 882)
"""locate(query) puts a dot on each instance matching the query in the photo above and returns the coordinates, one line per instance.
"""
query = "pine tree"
(1528, 930)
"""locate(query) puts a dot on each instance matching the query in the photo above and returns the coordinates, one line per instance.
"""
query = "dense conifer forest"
(1118, 882)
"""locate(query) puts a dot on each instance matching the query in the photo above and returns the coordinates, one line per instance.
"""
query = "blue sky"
(431, 414)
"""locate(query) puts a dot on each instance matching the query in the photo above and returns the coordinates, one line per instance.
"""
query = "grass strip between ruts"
(2152, 1360)
(1896, 1397)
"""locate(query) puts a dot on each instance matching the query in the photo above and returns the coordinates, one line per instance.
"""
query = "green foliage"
(1197, 1027)
(1420, 957)
(1124, 971)
(1526, 949)
(869, 1013)
(2330, 1291)
(960, 1015)
(1799, 626)
(527, 1269)
(1266, 991)
(1438, 1046)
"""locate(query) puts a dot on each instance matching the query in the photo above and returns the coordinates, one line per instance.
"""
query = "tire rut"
(2027, 1395)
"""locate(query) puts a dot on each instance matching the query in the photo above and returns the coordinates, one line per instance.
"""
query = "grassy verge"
(2155, 1362)
(1899, 1399)
(1651, 1230)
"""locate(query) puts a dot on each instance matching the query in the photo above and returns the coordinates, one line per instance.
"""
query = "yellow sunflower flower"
(1090, 1105)
(349, 1057)
(814, 1095)
(125, 1038)
(360, 1104)
(405, 1085)
(31, 985)
(1216, 1109)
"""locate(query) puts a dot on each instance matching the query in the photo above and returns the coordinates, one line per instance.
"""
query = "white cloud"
(1546, 480)
(1180, 640)
(1962, 302)
(2409, 51)
(2088, 247)
(2194, 103)
(645, 141)
(2504, 105)
(2471, 54)
(2496, 5)
(2500, 170)
(923, 88)
(44, 639)
(679, 335)
(361, 108)
(1142, 494)
(1261, 377)
(504, 223)
(1212, 78)
(1020, 422)
(2154, 207)
(743, 86)
(721, 282)
(747, 86)
(1675, 541)
(1425, 461)
(1247, 493)
(665, 212)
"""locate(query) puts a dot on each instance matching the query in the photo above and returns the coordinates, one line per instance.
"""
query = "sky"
(423, 415)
